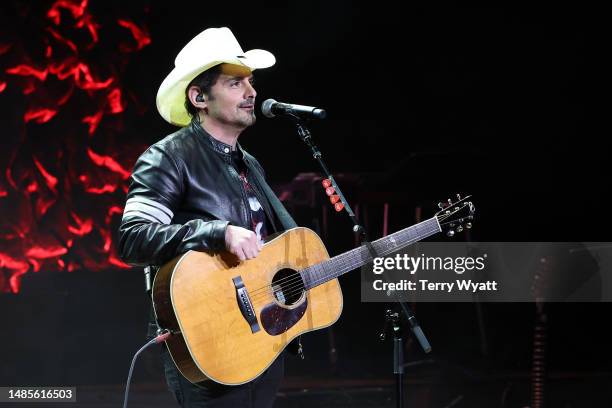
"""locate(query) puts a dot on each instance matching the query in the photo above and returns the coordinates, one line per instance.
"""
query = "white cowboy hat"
(211, 47)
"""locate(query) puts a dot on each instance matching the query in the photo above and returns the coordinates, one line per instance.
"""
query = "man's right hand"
(242, 242)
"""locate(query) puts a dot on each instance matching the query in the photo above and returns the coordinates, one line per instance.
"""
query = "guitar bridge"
(245, 304)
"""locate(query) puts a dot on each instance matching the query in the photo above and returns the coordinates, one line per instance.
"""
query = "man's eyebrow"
(239, 78)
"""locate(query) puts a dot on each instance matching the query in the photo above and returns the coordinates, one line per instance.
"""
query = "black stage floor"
(507, 390)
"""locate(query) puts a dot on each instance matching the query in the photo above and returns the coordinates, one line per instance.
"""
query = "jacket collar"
(215, 144)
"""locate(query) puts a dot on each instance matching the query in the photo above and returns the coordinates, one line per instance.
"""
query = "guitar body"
(229, 319)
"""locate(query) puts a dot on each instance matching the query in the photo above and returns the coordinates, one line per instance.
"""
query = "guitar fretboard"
(325, 271)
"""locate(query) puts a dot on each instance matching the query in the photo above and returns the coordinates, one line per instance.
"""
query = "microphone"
(270, 108)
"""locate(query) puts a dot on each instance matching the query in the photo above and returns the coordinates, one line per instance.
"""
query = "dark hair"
(205, 82)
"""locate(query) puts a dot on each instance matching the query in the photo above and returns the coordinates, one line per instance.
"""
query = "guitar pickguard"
(277, 320)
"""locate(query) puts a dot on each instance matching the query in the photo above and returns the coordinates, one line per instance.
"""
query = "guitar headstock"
(456, 216)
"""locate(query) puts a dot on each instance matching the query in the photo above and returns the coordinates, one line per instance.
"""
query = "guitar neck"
(320, 273)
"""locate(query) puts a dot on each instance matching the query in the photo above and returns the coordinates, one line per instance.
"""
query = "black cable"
(156, 340)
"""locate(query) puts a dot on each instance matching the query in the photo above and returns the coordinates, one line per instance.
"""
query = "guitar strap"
(278, 208)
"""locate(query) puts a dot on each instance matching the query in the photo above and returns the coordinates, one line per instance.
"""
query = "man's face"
(232, 98)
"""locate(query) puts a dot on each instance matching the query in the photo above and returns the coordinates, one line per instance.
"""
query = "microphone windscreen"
(266, 108)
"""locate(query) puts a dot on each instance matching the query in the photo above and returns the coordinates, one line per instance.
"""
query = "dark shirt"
(258, 215)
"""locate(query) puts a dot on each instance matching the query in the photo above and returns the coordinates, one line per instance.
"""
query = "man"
(197, 189)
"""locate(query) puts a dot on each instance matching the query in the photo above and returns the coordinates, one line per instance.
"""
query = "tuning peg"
(460, 228)
(450, 202)
(468, 225)
(329, 191)
(326, 183)
(440, 205)
(334, 199)
(458, 197)
(338, 206)
(450, 233)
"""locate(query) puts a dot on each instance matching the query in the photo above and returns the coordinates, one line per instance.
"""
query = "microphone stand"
(305, 135)
(390, 317)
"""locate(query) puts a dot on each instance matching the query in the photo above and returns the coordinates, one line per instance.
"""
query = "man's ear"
(196, 97)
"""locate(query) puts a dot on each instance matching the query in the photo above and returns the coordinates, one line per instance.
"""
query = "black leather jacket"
(184, 191)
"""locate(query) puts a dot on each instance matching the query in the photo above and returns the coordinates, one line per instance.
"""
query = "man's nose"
(250, 90)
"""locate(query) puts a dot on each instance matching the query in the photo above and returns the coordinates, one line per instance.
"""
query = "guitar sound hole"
(287, 286)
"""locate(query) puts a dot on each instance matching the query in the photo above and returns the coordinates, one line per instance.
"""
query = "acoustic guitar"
(229, 319)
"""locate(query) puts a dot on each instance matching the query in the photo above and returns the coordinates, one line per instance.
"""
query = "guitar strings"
(296, 280)
(298, 276)
(296, 285)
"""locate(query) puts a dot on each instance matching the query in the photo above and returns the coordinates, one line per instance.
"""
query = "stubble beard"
(248, 119)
